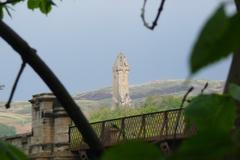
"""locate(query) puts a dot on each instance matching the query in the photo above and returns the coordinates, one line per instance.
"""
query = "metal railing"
(155, 126)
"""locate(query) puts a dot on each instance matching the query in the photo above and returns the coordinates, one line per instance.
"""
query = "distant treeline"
(151, 104)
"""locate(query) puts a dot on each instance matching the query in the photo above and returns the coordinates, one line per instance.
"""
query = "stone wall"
(21, 141)
(50, 131)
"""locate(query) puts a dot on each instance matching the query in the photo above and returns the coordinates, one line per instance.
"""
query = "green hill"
(138, 93)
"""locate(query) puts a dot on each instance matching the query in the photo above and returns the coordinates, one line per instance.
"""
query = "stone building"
(120, 91)
(49, 138)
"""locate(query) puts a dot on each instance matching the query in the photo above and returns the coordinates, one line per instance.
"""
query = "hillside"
(156, 88)
(19, 115)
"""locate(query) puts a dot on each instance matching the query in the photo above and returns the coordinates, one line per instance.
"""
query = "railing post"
(69, 136)
(164, 128)
(123, 128)
(102, 136)
(144, 126)
(178, 118)
(166, 121)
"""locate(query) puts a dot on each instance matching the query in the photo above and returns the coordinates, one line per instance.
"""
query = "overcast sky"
(80, 40)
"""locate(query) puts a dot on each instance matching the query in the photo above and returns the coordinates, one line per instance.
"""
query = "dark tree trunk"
(234, 73)
(234, 77)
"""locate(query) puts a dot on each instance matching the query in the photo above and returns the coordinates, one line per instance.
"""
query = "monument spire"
(120, 81)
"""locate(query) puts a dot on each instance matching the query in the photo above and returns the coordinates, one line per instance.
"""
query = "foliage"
(219, 38)
(142, 151)
(9, 152)
(7, 130)
(214, 116)
(151, 104)
(160, 103)
(234, 91)
(44, 6)
(218, 112)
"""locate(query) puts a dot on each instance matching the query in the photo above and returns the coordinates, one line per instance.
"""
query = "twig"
(15, 84)
(154, 23)
(9, 2)
(7, 7)
(8, 12)
(180, 111)
(204, 88)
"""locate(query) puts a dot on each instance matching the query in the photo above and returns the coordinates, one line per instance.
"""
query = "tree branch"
(237, 3)
(204, 88)
(180, 111)
(29, 55)
(234, 77)
(154, 24)
(15, 84)
(9, 2)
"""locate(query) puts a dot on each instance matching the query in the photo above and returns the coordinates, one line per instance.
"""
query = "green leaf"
(232, 37)
(1, 12)
(9, 152)
(45, 6)
(205, 146)
(214, 117)
(212, 112)
(133, 150)
(236, 139)
(219, 37)
(203, 52)
(234, 91)
(33, 4)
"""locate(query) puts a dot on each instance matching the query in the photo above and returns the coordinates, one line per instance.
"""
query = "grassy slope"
(18, 116)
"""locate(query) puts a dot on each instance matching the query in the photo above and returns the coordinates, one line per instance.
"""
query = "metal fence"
(155, 126)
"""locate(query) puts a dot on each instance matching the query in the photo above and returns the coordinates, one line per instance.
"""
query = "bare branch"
(15, 84)
(180, 111)
(8, 12)
(204, 88)
(9, 2)
(154, 23)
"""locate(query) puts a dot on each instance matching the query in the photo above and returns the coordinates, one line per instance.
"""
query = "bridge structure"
(54, 138)
(154, 127)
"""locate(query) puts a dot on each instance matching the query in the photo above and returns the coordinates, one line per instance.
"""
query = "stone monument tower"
(120, 81)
